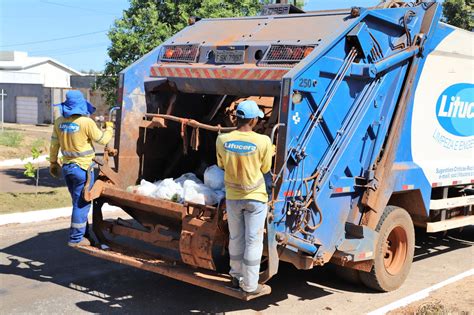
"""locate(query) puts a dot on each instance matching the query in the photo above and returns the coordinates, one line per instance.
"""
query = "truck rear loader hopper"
(337, 89)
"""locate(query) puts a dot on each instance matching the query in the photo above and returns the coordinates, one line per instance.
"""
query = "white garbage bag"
(169, 190)
(220, 195)
(145, 188)
(198, 193)
(214, 177)
(188, 176)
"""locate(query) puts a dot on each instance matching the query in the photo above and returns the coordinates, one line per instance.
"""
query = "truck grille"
(180, 53)
(286, 54)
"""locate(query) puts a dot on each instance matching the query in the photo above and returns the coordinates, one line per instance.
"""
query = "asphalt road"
(40, 274)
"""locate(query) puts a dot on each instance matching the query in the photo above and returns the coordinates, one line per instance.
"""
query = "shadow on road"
(18, 182)
(122, 289)
(433, 244)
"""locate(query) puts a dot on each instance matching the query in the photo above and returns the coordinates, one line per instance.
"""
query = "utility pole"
(3, 94)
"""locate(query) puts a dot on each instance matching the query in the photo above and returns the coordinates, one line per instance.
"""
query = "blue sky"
(40, 27)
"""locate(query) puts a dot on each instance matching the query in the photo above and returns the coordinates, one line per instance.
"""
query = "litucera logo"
(455, 109)
(240, 147)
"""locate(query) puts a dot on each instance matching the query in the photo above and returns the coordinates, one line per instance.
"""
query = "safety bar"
(274, 129)
(192, 123)
(113, 109)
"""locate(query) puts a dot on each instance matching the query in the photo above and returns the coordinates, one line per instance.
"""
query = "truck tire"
(394, 251)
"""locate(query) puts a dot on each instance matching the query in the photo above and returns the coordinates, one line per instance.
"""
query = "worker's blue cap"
(76, 104)
(248, 109)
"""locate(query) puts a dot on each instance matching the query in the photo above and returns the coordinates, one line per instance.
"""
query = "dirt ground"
(456, 298)
(32, 136)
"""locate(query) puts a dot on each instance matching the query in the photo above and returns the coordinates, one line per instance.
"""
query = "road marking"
(420, 294)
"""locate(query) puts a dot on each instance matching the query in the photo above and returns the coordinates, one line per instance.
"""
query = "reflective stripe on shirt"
(244, 187)
(77, 154)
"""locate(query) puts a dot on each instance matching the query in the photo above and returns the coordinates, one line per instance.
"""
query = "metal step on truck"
(371, 112)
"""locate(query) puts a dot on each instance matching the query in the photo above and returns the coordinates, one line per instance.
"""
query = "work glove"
(268, 178)
(55, 169)
(109, 124)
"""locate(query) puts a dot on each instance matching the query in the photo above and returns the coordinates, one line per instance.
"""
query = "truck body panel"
(443, 140)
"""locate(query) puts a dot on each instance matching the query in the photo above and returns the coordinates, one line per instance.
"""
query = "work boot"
(83, 242)
(261, 289)
(235, 283)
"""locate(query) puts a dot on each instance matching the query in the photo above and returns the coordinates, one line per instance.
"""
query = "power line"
(75, 7)
(55, 39)
(66, 48)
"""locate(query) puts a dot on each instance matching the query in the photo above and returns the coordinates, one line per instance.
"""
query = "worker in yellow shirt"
(74, 133)
(245, 157)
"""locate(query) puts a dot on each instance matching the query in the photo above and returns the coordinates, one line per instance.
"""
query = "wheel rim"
(395, 250)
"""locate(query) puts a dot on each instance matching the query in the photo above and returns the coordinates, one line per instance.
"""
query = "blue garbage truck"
(371, 114)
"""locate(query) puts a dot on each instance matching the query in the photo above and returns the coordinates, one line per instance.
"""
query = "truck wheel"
(393, 252)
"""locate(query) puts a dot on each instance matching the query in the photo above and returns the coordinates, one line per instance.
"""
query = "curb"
(18, 162)
(44, 215)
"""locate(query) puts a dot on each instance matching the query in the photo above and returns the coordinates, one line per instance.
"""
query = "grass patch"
(39, 144)
(11, 139)
(21, 202)
(12, 148)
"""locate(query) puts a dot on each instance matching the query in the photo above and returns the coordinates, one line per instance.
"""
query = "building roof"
(18, 60)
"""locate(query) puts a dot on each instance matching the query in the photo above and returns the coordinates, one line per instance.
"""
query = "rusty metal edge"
(159, 206)
(364, 265)
(214, 281)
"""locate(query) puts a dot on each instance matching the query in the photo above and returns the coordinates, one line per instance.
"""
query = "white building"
(31, 85)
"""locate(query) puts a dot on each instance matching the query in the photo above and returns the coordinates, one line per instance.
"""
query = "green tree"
(147, 23)
(459, 13)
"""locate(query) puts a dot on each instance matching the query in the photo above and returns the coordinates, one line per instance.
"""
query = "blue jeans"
(75, 178)
(246, 219)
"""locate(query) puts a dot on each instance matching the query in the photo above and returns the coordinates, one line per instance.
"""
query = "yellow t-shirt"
(245, 157)
(74, 135)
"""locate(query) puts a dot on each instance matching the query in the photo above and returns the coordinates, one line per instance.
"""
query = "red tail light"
(180, 53)
(286, 54)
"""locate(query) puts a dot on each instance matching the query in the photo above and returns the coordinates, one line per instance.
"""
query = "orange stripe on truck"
(218, 73)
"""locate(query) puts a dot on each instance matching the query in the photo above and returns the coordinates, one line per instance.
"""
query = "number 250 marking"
(305, 83)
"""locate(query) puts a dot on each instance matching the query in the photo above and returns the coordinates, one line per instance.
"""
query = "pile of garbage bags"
(186, 188)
